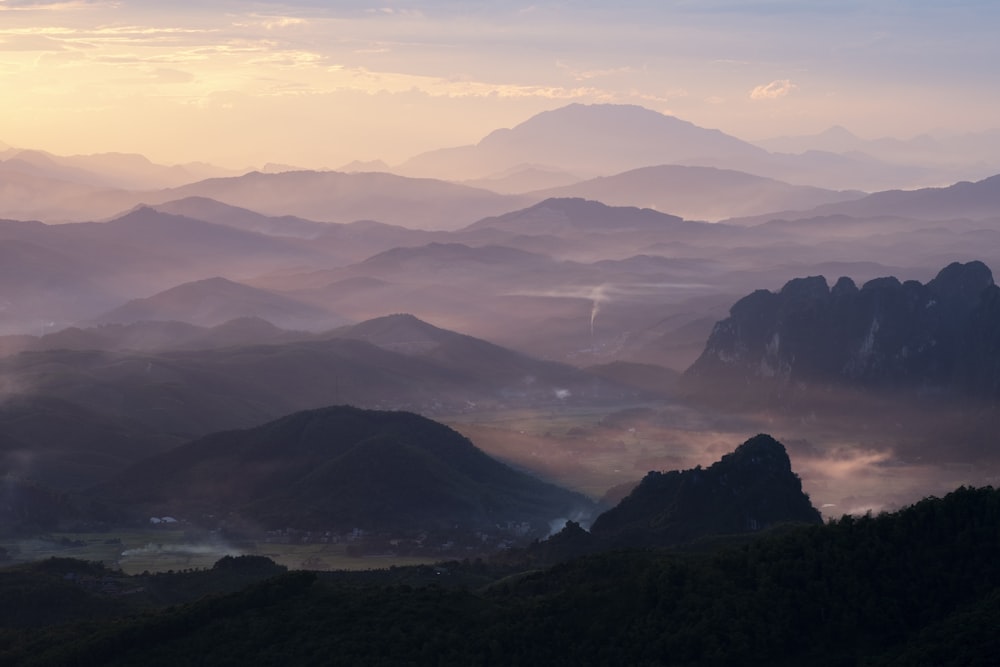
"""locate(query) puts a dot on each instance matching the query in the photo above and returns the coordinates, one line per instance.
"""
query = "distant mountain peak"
(592, 139)
(838, 132)
(578, 213)
(214, 301)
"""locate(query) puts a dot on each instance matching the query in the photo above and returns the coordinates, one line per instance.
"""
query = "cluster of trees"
(917, 587)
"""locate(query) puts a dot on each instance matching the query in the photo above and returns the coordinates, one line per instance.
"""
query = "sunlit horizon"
(307, 85)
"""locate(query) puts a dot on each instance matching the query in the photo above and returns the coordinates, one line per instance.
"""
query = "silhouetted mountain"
(606, 139)
(31, 196)
(699, 193)
(364, 166)
(979, 201)
(480, 362)
(599, 139)
(921, 149)
(449, 257)
(966, 156)
(524, 178)
(325, 196)
(886, 334)
(188, 390)
(748, 490)
(128, 171)
(331, 196)
(343, 468)
(564, 215)
(190, 239)
(151, 336)
(358, 240)
(59, 275)
(209, 210)
(214, 301)
(343, 242)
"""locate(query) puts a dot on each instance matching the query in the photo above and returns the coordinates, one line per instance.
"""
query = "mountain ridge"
(344, 468)
(888, 333)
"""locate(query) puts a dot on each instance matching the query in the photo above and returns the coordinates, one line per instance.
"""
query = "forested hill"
(342, 467)
(917, 587)
(748, 489)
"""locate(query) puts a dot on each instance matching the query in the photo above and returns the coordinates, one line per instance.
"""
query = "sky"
(318, 84)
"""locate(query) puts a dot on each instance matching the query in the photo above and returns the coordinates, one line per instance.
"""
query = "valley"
(393, 376)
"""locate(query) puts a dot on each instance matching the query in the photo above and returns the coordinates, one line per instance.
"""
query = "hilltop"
(342, 468)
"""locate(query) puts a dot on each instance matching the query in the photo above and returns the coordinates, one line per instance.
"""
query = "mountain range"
(540, 157)
(215, 301)
(598, 139)
(605, 139)
(137, 403)
(969, 150)
(699, 193)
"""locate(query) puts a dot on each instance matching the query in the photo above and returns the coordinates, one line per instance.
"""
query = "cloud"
(772, 91)
(372, 82)
(29, 43)
(584, 75)
(30, 6)
(270, 22)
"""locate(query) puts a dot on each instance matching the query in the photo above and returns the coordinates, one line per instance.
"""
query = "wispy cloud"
(773, 90)
(581, 74)
(29, 6)
(374, 82)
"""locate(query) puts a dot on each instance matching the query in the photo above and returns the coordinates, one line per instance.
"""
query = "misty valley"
(603, 388)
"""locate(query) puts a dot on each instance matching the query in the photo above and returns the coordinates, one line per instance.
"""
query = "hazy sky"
(320, 83)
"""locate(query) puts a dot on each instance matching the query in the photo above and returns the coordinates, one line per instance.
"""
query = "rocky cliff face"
(942, 335)
(747, 490)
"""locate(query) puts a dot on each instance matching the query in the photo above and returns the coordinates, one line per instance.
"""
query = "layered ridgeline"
(341, 468)
(942, 336)
(84, 414)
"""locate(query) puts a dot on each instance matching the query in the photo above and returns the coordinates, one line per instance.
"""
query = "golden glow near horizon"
(241, 84)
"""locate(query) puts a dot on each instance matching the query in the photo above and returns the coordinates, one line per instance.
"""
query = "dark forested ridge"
(917, 587)
(747, 490)
(342, 468)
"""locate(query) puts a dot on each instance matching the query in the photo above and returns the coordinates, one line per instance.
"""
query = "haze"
(596, 242)
(317, 86)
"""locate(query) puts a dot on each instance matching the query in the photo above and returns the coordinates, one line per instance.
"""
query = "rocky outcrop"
(747, 490)
(942, 335)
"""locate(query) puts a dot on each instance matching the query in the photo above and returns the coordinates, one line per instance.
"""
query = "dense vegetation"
(341, 468)
(917, 587)
(748, 489)
(887, 334)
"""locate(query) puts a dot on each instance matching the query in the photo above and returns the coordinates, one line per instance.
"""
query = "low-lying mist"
(868, 453)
